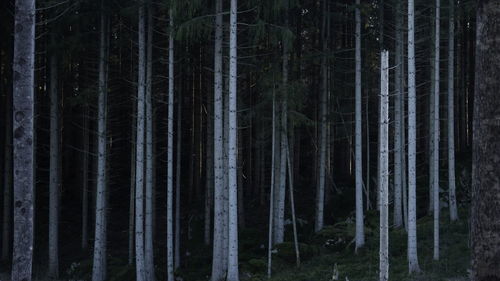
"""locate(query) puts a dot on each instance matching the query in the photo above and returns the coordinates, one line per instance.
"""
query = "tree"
(23, 144)
(451, 114)
(485, 218)
(412, 138)
(139, 160)
(54, 186)
(384, 167)
(7, 192)
(170, 148)
(360, 234)
(217, 259)
(232, 268)
(435, 143)
(99, 260)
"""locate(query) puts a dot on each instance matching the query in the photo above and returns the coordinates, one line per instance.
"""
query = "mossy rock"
(286, 251)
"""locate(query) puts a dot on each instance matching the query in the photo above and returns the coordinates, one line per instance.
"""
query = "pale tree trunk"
(148, 231)
(320, 189)
(384, 167)
(225, 231)
(170, 149)
(271, 192)
(85, 179)
(177, 258)
(412, 141)
(232, 271)
(485, 219)
(436, 133)
(7, 180)
(404, 181)
(217, 263)
(23, 142)
(99, 266)
(360, 233)
(367, 150)
(398, 103)
(139, 160)
(54, 186)
(451, 114)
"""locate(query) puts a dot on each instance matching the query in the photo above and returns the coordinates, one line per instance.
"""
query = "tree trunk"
(451, 114)
(131, 221)
(412, 140)
(398, 103)
(139, 160)
(23, 142)
(209, 182)
(55, 179)
(7, 191)
(435, 159)
(292, 205)
(177, 258)
(170, 148)
(360, 233)
(85, 178)
(384, 167)
(485, 221)
(271, 192)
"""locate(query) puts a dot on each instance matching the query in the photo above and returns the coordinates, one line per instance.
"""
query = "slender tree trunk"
(23, 142)
(398, 216)
(217, 260)
(54, 186)
(485, 221)
(131, 221)
(320, 190)
(170, 148)
(451, 114)
(384, 167)
(232, 272)
(271, 192)
(148, 231)
(7, 180)
(360, 233)
(436, 133)
(99, 266)
(292, 205)
(412, 139)
(139, 160)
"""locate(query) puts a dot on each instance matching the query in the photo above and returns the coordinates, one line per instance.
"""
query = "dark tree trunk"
(23, 107)
(485, 220)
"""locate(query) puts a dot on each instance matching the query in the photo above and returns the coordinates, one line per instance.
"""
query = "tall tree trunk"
(131, 220)
(436, 132)
(412, 140)
(384, 167)
(232, 271)
(320, 190)
(99, 266)
(451, 114)
(23, 142)
(177, 258)
(54, 186)
(398, 103)
(292, 205)
(209, 182)
(360, 233)
(485, 221)
(271, 192)
(85, 178)
(139, 160)
(148, 231)
(217, 263)
(170, 148)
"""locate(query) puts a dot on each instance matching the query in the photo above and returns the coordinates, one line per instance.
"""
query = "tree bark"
(398, 103)
(451, 114)
(485, 220)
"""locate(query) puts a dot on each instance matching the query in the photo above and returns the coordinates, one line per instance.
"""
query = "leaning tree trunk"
(217, 263)
(23, 142)
(360, 233)
(485, 221)
(451, 114)
(170, 149)
(148, 225)
(412, 141)
(54, 185)
(435, 166)
(232, 268)
(139, 160)
(99, 266)
(384, 168)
